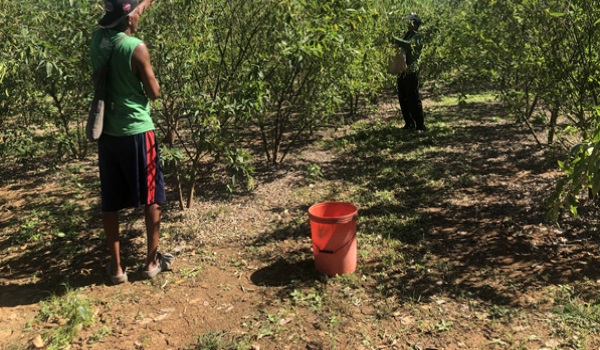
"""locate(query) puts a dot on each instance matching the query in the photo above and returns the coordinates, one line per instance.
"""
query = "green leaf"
(573, 210)
(82, 313)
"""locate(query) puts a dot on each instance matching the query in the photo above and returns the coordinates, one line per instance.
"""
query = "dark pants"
(410, 100)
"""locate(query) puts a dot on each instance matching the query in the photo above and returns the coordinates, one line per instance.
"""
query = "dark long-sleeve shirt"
(412, 43)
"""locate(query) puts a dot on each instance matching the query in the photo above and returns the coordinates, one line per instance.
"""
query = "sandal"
(116, 279)
(165, 260)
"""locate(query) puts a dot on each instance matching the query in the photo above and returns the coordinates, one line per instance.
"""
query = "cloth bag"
(95, 121)
(397, 62)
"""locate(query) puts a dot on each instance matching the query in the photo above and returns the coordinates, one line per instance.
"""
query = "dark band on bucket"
(340, 248)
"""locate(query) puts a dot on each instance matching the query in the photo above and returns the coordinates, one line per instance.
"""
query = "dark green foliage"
(242, 79)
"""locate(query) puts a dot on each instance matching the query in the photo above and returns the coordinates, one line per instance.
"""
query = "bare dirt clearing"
(454, 250)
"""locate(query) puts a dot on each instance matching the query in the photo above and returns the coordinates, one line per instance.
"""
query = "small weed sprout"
(210, 341)
(99, 334)
(312, 299)
(313, 173)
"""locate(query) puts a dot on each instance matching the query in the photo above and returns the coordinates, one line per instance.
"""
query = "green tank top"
(127, 107)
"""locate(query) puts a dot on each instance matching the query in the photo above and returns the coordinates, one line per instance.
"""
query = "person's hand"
(143, 6)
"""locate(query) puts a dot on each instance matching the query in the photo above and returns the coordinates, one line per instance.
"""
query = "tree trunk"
(552, 126)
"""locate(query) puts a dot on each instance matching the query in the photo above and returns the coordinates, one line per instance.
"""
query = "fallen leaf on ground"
(38, 342)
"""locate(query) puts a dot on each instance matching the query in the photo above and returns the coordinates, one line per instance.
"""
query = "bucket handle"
(340, 248)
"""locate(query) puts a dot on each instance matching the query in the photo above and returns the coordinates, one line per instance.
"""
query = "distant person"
(408, 81)
(130, 169)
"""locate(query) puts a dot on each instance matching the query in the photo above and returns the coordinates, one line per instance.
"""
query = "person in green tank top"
(130, 169)
(131, 80)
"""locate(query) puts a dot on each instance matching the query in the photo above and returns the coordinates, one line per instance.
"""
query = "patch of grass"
(30, 229)
(501, 313)
(391, 226)
(260, 326)
(311, 299)
(99, 334)
(163, 281)
(212, 341)
(313, 173)
(454, 100)
(578, 317)
(190, 273)
(218, 211)
(145, 340)
(66, 315)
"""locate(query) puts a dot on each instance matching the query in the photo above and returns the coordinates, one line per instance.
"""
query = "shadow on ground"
(472, 193)
(53, 242)
(466, 203)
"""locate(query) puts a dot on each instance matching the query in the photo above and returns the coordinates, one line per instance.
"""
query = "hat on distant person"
(116, 11)
(413, 17)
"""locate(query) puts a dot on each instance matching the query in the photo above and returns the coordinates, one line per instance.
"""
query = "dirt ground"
(488, 277)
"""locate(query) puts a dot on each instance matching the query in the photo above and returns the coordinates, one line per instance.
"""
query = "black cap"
(413, 17)
(116, 10)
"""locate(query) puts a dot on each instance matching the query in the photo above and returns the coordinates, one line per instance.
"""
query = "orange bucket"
(333, 233)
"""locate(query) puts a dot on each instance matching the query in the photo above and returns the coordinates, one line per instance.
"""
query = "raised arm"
(405, 44)
(143, 6)
(140, 64)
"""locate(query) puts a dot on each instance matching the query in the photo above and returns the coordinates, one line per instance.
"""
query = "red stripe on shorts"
(151, 166)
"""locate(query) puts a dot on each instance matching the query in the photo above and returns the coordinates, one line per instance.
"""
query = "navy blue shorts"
(130, 171)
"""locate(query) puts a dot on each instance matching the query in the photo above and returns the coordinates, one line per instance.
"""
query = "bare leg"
(111, 228)
(152, 217)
